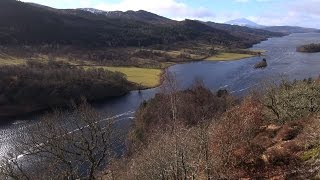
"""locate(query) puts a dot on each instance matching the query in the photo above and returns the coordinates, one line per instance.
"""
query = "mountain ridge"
(32, 24)
(140, 15)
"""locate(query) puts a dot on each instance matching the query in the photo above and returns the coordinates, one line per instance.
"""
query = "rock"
(279, 177)
(273, 128)
(266, 136)
(262, 64)
(222, 93)
(288, 132)
(283, 153)
(264, 140)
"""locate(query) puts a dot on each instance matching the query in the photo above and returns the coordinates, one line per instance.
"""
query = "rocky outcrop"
(262, 64)
(277, 153)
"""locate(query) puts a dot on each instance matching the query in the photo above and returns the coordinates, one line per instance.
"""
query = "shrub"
(292, 100)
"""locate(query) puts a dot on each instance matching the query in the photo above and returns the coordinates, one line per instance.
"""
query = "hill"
(140, 15)
(27, 24)
(95, 37)
(291, 29)
(180, 134)
(32, 24)
(251, 35)
(263, 136)
(279, 29)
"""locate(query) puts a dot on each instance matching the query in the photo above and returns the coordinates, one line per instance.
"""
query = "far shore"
(149, 77)
(154, 77)
(224, 56)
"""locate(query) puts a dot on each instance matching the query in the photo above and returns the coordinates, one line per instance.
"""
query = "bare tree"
(292, 100)
(54, 149)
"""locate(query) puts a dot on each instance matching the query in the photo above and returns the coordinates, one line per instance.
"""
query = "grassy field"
(4, 62)
(228, 56)
(143, 76)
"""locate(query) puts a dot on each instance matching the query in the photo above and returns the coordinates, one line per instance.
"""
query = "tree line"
(309, 48)
(36, 86)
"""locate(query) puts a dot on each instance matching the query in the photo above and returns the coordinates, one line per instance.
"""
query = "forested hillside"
(251, 35)
(290, 29)
(140, 15)
(28, 24)
(36, 86)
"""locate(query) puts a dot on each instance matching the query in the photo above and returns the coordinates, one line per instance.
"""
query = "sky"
(304, 13)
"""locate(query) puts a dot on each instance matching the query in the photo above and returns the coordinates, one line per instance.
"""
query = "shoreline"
(8, 118)
(199, 60)
(12, 118)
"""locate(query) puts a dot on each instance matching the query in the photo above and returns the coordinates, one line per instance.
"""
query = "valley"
(131, 94)
(238, 77)
(138, 44)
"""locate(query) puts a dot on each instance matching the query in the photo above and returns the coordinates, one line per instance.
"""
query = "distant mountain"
(244, 22)
(141, 15)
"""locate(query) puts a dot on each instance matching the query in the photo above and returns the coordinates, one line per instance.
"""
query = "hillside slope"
(290, 29)
(279, 29)
(140, 15)
(32, 24)
(27, 24)
(251, 35)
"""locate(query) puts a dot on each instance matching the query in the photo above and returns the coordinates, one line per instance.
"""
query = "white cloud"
(310, 7)
(303, 13)
(296, 12)
(169, 8)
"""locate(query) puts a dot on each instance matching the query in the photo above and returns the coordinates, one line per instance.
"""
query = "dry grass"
(144, 76)
(229, 56)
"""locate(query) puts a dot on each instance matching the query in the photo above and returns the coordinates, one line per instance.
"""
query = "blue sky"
(267, 12)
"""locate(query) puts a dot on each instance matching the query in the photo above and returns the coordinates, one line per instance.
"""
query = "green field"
(228, 56)
(143, 76)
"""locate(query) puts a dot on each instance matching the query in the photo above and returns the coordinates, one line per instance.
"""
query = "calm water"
(236, 76)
